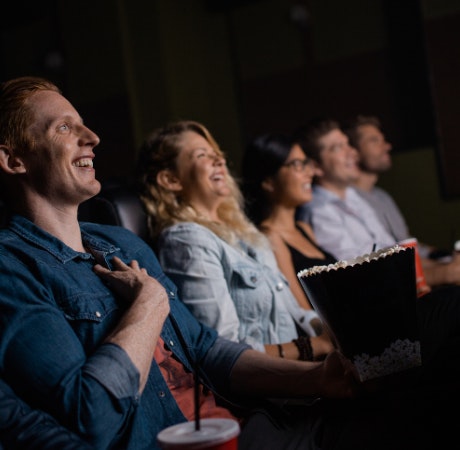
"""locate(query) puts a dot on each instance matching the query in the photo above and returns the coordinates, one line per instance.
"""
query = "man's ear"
(169, 181)
(10, 163)
(319, 173)
(267, 184)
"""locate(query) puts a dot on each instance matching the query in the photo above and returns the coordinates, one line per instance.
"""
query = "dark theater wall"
(247, 66)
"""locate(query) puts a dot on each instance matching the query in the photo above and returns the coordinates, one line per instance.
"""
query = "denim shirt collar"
(63, 253)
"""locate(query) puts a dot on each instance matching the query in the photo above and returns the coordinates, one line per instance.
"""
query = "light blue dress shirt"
(345, 228)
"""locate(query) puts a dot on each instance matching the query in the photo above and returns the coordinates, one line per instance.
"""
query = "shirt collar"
(30, 232)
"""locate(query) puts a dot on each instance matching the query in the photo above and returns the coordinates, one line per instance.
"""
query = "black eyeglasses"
(299, 164)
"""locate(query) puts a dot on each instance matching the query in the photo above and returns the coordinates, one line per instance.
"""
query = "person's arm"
(138, 331)
(438, 273)
(193, 261)
(22, 427)
(321, 344)
(258, 374)
(54, 344)
(285, 264)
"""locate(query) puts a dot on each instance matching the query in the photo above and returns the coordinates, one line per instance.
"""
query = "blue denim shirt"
(56, 313)
(238, 291)
(22, 427)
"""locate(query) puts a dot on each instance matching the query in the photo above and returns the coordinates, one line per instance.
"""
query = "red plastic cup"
(214, 434)
(420, 280)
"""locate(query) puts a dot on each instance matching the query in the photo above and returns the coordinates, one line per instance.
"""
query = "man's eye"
(63, 127)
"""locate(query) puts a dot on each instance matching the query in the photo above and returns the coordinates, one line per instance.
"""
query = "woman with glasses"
(277, 178)
(223, 266)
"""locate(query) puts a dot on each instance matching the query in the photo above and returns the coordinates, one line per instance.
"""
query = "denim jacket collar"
(63, 253)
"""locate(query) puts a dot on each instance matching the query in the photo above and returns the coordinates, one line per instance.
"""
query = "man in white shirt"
(344, 223)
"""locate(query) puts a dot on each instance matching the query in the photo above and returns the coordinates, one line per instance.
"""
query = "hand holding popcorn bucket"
(369, 306)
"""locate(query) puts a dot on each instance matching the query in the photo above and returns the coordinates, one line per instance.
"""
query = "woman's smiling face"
(202, 171)
(292, 182)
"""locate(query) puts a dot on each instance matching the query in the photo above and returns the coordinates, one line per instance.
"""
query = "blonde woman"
(223, 266)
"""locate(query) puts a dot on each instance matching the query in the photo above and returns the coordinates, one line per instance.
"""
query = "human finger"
(134, 264)
(119, 264)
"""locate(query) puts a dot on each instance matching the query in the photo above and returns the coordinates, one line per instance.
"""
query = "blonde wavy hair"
(165, 207)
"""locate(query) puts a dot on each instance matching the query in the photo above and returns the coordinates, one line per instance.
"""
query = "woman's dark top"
(302, 262)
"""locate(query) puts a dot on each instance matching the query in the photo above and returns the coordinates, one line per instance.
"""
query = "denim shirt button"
(253, 279)
(279, 286)
(161, 394)
(98, 314)
(171, 293)
(171, 343)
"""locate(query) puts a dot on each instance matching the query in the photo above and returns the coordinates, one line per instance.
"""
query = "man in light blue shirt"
(344, 224)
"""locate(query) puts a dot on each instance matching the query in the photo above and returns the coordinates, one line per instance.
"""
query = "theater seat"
(116, 204)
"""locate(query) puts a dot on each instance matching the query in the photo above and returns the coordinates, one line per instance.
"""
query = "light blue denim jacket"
(238, 291)
(55, 314)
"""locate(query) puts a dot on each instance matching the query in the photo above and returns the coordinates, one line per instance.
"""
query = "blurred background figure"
(366, 135)
(345, 224)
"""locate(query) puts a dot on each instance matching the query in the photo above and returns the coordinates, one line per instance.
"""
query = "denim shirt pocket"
(94, 307)
(248, 277)
(249, 291)
(91, 315)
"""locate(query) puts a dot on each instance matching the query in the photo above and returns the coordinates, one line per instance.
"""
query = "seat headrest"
(117, 204)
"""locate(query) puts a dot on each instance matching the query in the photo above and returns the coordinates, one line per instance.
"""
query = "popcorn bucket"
(368, 305)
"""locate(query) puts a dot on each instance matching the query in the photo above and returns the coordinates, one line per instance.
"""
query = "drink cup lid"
(407, 241)
(211, 430)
